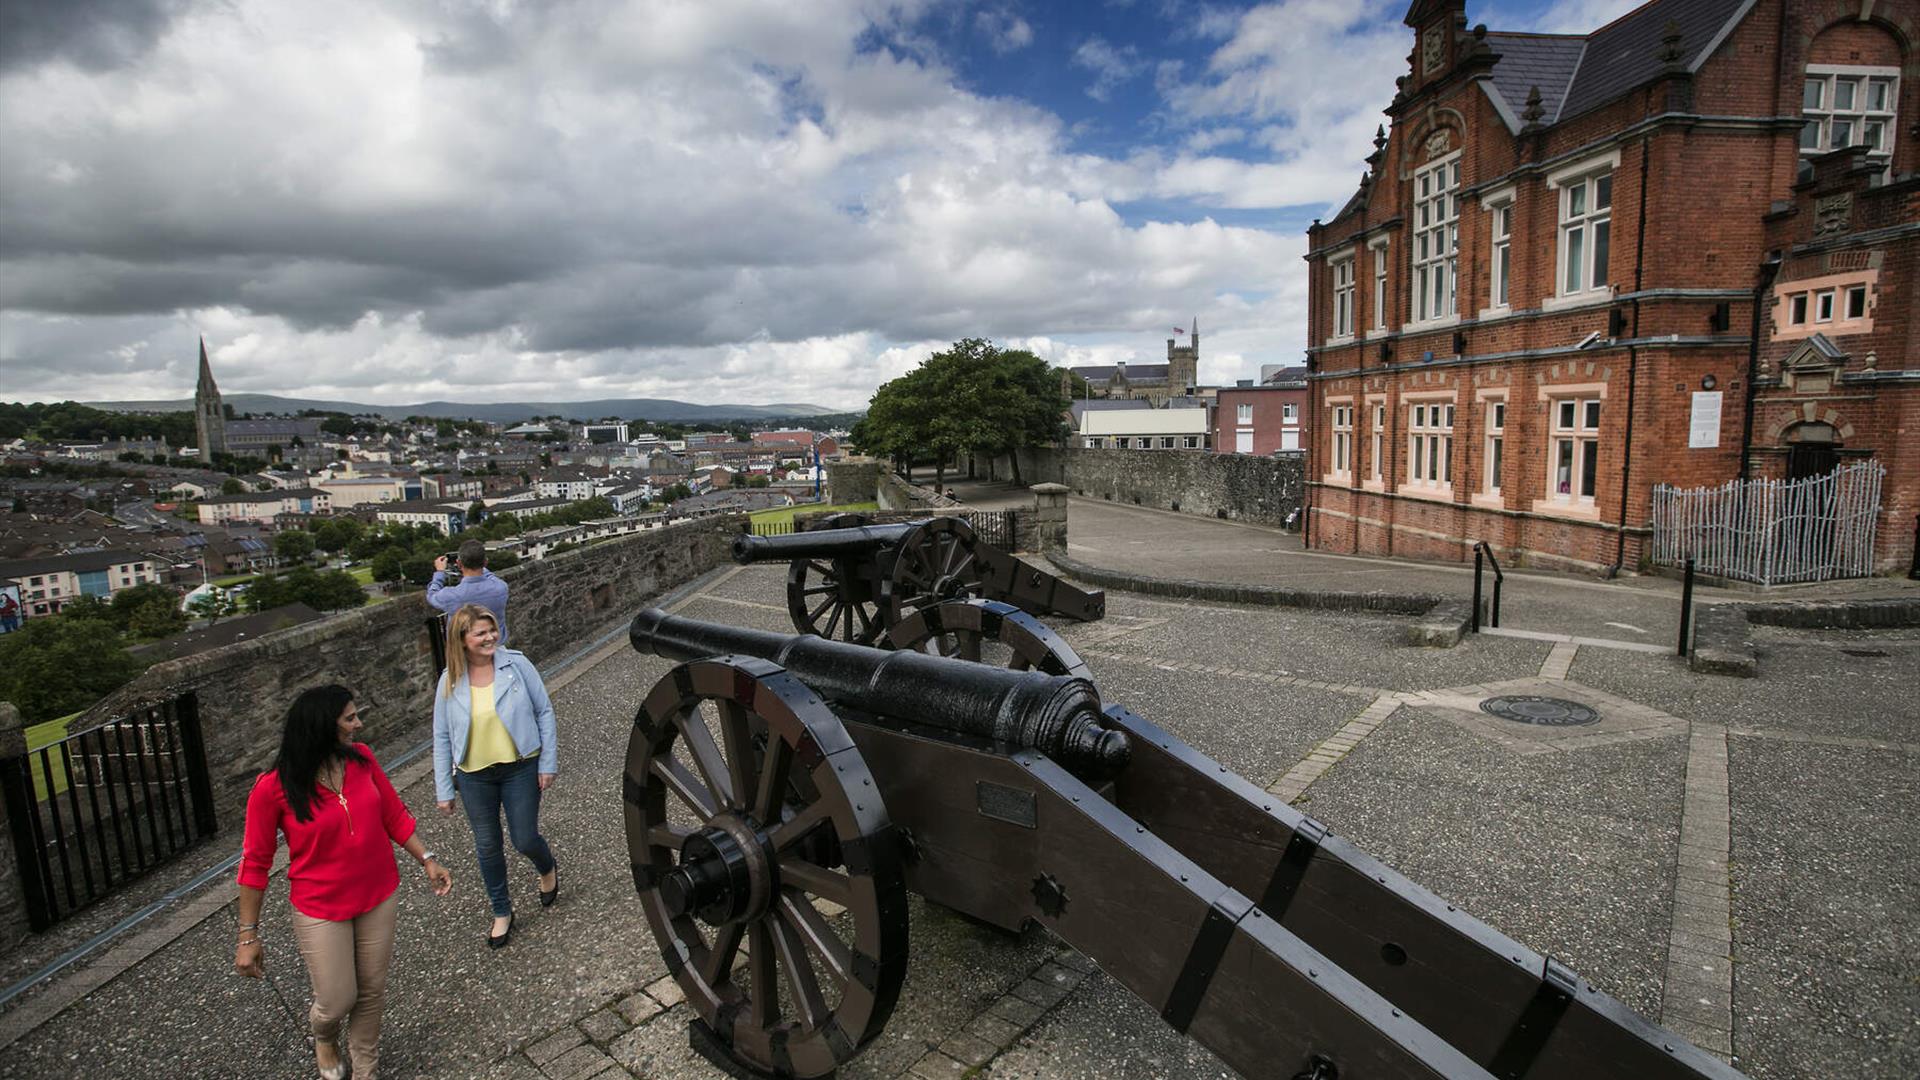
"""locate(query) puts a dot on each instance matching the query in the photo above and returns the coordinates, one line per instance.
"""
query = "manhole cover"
(1540, 711)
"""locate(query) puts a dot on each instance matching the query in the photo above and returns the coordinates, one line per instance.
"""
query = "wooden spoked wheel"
(766, 865)
(988, 631)
(934, 563)
(828, 598)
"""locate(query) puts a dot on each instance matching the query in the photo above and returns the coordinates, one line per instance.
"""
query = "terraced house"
(1678, 250)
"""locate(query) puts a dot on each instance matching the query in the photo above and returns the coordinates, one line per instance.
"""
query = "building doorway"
(1813, 449)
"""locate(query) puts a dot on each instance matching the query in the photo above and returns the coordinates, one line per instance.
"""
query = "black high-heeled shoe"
(500, 941)
(548, 897)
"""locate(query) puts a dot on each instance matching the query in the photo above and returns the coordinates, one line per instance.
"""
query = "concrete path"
(1734, 858)
(1641, 609)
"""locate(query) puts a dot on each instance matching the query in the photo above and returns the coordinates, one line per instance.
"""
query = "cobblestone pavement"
(1734, 858)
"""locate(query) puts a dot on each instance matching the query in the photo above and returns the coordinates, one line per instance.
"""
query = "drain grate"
(1540, 711)
(1863, 652)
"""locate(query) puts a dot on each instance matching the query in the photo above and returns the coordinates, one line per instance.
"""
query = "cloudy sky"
(721, 201)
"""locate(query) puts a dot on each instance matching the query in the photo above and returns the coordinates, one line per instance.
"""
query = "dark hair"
(473, 555)
(310, 740)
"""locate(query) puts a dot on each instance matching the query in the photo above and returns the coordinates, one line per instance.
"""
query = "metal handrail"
(1480, 549)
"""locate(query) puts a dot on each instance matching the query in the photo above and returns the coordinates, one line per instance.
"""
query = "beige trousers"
(347, 962)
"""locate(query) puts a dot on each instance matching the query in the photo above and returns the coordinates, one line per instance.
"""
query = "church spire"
(206, 384)
(209, 413)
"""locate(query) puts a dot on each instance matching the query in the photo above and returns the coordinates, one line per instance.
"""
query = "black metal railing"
(1482, 551)
(97, 809)
(1001, 528)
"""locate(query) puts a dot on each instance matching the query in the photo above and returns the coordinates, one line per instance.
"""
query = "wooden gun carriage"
(851, 579)
(783, 792)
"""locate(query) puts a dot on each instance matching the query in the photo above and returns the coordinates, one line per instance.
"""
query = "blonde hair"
(457, 627)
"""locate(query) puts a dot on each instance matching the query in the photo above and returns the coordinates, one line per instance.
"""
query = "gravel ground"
(1807, 684)
(1339, 647)
(1571, 852)
(1826, 909)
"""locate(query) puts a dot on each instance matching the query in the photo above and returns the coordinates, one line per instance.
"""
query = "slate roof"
(1529, 60)
(1578, 73)
(1288, 376)
(76, 563)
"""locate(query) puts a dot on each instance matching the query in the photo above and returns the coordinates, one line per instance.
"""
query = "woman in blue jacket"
(493, 742)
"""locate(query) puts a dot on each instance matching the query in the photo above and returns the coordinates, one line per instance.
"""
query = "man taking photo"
(477, 585)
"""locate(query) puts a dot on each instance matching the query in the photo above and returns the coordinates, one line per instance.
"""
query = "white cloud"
(735, 201)
(1005, 32)
(1111, 65)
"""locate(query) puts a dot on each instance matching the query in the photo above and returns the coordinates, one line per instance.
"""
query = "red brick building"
(1679, 249)
(1263, 418)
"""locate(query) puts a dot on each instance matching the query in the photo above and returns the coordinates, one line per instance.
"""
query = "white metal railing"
(1773, 531)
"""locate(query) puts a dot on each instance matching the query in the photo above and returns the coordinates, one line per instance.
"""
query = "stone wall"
(1238, 487)
(383, 653)
(853, 480)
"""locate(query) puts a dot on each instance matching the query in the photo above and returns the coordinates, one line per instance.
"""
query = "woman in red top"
(341, 816)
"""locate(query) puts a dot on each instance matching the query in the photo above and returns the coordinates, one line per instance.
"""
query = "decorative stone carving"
(1439, 143)
(1833, 214)
(1433, 50)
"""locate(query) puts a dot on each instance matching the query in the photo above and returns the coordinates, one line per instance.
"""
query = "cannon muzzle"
(854, 543)
(1056, 714)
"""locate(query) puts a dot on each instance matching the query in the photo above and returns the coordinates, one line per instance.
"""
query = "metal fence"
(1773, 531)
(97, 809)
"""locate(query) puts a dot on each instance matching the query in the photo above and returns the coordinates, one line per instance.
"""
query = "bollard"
(1914, 573)
(1686, 605)
(1476, 588)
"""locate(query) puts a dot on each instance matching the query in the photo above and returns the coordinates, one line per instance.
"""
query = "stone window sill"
(1582, 511)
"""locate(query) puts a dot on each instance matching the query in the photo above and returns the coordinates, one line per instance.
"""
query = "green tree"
(212, 605)
(294, 545)
(390, 565)
(335, 535)
(148, 611)
(232, 486)
(972, 397)
(52, 667)
(90, 608)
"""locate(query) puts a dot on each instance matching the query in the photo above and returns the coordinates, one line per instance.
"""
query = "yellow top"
(487, 740)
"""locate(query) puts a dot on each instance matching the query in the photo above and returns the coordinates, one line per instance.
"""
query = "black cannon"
(784, 792)
(851, 579)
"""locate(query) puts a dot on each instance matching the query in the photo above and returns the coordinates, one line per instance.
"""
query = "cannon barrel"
(854, 543)
(1056, 714)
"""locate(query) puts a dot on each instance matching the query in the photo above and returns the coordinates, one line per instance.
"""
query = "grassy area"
(231, 580)
(39, 735)
(362, 574)
(784, 514)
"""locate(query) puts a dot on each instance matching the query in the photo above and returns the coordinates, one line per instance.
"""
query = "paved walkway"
(1642, 609)
(1732, 857)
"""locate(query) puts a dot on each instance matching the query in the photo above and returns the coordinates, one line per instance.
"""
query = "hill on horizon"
(662, 409)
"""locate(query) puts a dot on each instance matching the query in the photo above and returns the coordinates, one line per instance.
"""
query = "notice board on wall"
(1703, 423)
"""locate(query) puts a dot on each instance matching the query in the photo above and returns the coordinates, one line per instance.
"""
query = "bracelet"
(249, 941)
(249, 926)
(428, 856)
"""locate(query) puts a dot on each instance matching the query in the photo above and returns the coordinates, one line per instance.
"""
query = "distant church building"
(1147, 382)
(209, 417)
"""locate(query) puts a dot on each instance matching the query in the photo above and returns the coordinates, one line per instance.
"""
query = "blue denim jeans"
(515, 787)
